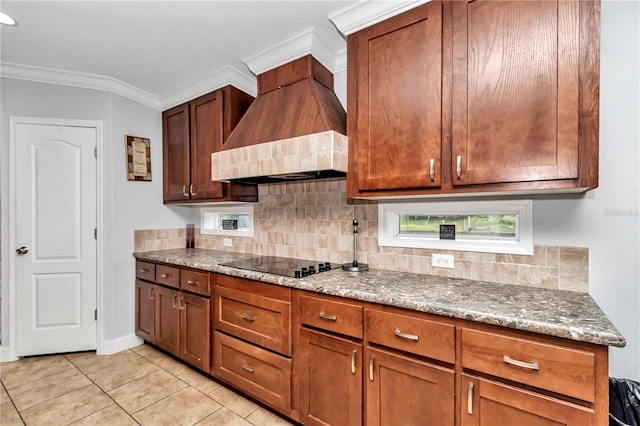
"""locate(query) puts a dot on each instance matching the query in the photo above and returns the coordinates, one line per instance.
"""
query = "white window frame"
(223, 210)
(389, 225)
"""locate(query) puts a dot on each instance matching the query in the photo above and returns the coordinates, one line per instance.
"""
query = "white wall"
(127, 205)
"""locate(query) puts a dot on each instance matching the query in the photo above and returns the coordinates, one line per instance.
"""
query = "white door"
(55, 191)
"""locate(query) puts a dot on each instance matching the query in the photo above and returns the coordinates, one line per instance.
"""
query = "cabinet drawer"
(338, 317)
(256, 371)
(197, 282)
(168, 275)
(145, 270)
(547, 366)
(411, 334)
(254, 317)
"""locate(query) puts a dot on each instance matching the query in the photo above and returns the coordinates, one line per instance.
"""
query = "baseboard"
(118, 345)
(6, 355)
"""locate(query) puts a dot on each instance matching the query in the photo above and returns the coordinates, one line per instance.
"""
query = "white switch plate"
(227, 242)
(442, 260)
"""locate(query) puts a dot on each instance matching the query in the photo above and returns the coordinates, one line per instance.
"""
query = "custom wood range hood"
(295, 129)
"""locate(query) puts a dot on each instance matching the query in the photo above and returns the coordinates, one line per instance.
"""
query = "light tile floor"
(137, 386)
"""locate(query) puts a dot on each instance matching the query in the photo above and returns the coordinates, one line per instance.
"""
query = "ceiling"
(158, 47)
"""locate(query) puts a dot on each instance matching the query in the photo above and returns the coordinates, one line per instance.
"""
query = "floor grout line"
(152, 356)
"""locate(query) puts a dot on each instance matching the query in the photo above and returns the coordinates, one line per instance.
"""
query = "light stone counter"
(559, 313)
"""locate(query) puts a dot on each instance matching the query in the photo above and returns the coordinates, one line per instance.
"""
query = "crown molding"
(78, 79)
(364, 14)
(220, 78)
(309, 42)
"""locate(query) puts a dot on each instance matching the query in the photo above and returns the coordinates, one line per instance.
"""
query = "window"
(227, 220)
(483, 226)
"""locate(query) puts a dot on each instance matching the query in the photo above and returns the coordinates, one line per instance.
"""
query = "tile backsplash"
(312, 220)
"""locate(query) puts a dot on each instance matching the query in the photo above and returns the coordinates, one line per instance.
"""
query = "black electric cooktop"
(290, 267)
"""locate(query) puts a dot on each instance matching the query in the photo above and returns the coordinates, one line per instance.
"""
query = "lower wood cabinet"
(254, 370)
(167, 320)
(329, 379)
(145, 311)
(349, 362)
(402, 390)
(174, 320)
(486, 402)
(195, 330)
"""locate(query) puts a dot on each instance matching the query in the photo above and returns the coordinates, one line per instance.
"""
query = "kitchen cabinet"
(167, 320)
(400, 355)
(173, 311)
(486, 402)
(321, 359)
(398, 96)
(252, 346)
(191, 133)
(145, 312)
(475, 97)
(328, 379)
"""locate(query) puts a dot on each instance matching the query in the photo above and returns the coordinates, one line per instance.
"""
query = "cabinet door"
(175, 153)
(206, 138)
(407, 391)
(329, 380)
(167, 320)
(398, 112)
(195, 329)
(484, 402)
(145, 311)
(515, 91)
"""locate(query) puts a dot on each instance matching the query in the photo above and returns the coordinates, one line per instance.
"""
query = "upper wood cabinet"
(513, 107)
(395, 71)
(191, 133)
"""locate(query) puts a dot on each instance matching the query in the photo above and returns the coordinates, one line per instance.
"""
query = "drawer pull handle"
(143, 270)
(165, 275)
(247, 368)
(459, 166)
(249, 318)
(328, 317)
(470, 399)
(184, 191)
(175, 305)
(432, 169)
(371, 358)
(150, 293)
(406, 336)
(527, 365)
(192, 282)
(181, 303)
(353, 361)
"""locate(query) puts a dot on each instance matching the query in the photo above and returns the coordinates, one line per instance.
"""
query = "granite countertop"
(559, 313)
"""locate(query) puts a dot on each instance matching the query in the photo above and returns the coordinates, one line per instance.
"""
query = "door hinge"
(95, 314)
(95, 233)
(95, 152)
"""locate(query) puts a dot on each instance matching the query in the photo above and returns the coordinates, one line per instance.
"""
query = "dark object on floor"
(624, 402)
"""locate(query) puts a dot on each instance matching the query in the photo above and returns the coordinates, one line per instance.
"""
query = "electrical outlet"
(442, 260)
(227, 242)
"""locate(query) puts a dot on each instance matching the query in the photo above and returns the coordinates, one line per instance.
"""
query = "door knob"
(22, 250)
